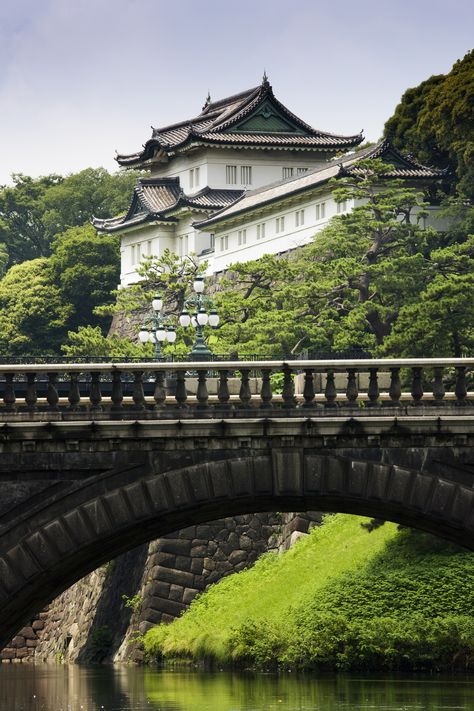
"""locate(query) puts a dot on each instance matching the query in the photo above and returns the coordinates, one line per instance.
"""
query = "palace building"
(244, 178)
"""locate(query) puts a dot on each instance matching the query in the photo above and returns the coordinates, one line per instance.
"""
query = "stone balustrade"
(96, 391)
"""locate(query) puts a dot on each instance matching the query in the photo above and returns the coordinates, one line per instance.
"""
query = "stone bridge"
(98, 458)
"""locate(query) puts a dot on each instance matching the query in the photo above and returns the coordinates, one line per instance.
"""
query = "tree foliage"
(34, 210)
(435, 121)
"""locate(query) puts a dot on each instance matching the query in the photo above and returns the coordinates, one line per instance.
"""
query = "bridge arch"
(78, 528)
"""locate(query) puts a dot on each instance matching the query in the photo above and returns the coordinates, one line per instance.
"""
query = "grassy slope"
(286, 605)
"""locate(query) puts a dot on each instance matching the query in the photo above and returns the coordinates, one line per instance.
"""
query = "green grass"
(341, 598)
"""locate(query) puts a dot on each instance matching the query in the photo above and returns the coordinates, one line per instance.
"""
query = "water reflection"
(63, 688)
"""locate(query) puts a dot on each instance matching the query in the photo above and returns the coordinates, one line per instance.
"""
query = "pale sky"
(82, 78)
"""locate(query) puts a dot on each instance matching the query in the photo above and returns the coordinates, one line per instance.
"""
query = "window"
(213, 241)
(242, 237)
(287, 173)
(280, 224)
(224, 243)
(299, 218)
(194, 177)
(320, 211)
(341, 207)
(148, 248)
(134, 254)
(300, 171)
(246, 174)
(231, 174)
(261, 231)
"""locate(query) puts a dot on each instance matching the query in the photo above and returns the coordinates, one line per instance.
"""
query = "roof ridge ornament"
(265, 82)
(208, 101)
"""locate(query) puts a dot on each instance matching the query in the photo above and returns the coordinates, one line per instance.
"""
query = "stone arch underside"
(49, 549)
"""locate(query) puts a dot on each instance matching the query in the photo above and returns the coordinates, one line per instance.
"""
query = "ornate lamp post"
(161, 330)
(204, 313)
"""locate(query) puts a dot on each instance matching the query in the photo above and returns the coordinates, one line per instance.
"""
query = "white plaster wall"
(150, 240)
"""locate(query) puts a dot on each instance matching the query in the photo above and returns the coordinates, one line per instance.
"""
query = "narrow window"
(133, 254)
(191, 178)
(342, 206)
(246, 174)
(196, 176)
(323, 210)
(213, 241)
(224, 243)
(299, 218)
(300, 171)
(287, 173)
(261, 231)
(231, 174)
(318, 211)
(280, 224)
(242, 237)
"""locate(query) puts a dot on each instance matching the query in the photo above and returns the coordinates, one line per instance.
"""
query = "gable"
(267, 118)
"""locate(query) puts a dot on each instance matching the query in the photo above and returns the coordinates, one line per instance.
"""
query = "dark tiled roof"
(219, 122)
(403, 167)
(156, 199)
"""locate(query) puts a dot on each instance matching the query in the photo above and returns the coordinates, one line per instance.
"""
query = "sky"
(80, 79)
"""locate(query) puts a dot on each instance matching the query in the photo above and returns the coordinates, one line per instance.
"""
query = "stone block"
(171, 575)
(176, 593)
(197, 565)
(177, 546)
(31, 642)
(159, 588)
(237, 557)
(27, 633)
(169, 607)
(38, 624)
(199, 551)
(188, 595)
(7, 653)
(245, 543)
(183, 562)
(18, 642)
(168, 560)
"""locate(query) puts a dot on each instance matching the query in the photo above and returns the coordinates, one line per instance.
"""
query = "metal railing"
(232, 388)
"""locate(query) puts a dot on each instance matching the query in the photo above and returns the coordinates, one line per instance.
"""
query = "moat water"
(74, 688)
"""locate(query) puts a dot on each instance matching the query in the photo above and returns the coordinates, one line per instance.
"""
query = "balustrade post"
(266, 394)
(223, 394)
(74, 395)
(245, 394)
(202, 395)
(395, 389)
(181, 395)
(95, 395)
(438, 386)
(31, 395)
(330, 392)
(373, 391)
(308, 389)
(138, 395)
(288, 393)
(352, 391)
(461, 386)
(9, 397)
(52, 396)
(417, 386)
(116, 395)
(159, 394)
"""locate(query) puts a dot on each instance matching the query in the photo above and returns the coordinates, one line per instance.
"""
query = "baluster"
(395, 389)
(245, 395)
(288, 392)
(223, 391)
(308, 389)
(31, 396)
(266, 394)
(373, 389)
(52, 396)
(438, 386)
(330, 392)
(95, 396)
(9, 393)
(417, 386)
(74, 395)
(116, 395)
(461, 386)
(201, 393)
(352, 391)
(159, 394)
(181, 395)
(138, 395)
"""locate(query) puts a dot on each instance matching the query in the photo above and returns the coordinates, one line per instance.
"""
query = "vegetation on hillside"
(343, 598)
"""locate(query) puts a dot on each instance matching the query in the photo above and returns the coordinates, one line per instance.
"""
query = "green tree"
(33, 315)
(435, 121)
(344, 290)
(86, 267)
(89, 341)
(34, 210)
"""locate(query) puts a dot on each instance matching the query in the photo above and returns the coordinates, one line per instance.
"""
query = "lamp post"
(161, 331)
(201, 317)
